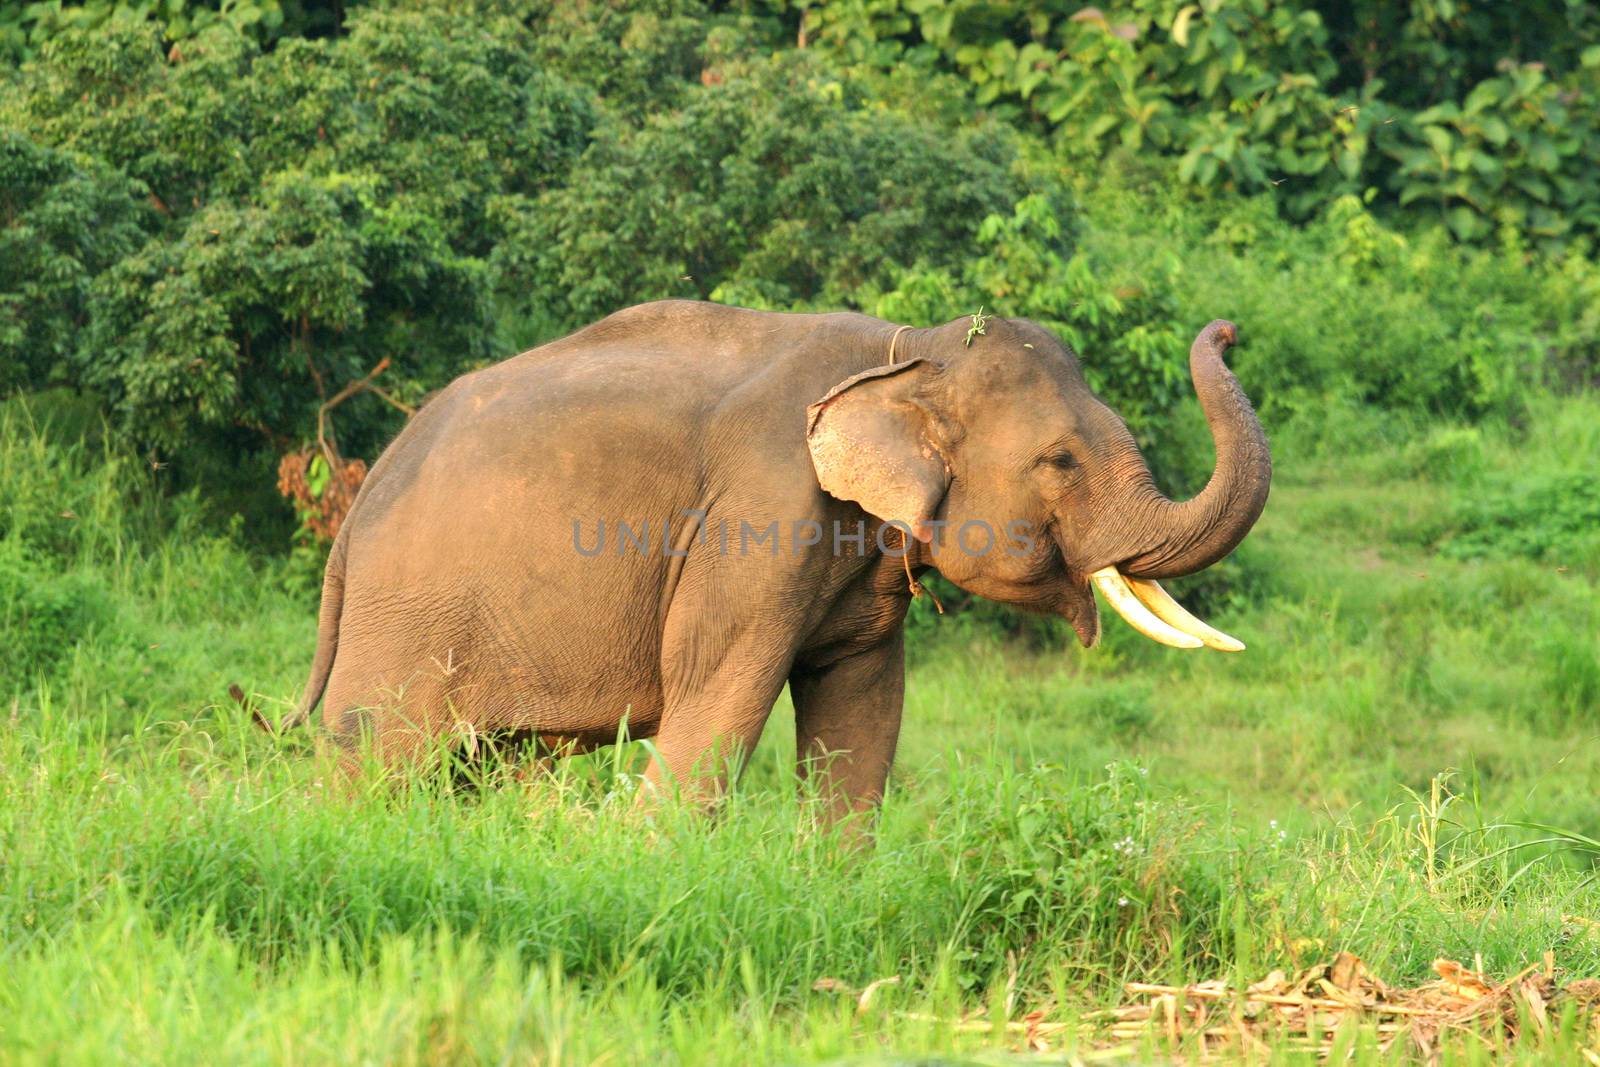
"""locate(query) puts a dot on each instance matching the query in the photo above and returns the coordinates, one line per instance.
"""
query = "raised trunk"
(1183, 538)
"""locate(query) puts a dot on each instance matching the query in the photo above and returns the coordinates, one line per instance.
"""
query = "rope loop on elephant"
(893, 340)
(917, 588)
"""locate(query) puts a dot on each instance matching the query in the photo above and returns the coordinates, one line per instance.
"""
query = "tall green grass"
(177, 885)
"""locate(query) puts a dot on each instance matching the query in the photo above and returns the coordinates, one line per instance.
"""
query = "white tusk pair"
(1150, 609)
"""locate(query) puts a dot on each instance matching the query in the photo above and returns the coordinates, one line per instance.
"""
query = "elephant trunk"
(1186, 537)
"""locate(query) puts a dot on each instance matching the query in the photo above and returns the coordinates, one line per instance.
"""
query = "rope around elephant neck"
(892, 341)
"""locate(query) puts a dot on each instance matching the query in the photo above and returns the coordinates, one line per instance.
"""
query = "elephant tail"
(327, 631)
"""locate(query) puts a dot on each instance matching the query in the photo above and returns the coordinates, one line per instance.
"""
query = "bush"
(1349, 310)
(44, 613)
(777, 185)
(1427, 102)
(1544, 517)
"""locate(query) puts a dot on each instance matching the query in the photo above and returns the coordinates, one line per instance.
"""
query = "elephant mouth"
(1078, 606)
(1146, 607)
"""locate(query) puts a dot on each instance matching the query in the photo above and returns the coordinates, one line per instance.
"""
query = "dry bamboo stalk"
(1275, 998)
(983, 1026)
(1122, 1030)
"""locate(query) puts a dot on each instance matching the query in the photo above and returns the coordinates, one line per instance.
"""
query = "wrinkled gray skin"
(456, 603)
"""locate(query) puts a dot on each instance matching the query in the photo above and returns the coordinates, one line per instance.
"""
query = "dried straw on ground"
(1311, 1011)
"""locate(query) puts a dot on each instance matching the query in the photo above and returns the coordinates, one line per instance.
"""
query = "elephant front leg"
(717, 697)
(847, 724)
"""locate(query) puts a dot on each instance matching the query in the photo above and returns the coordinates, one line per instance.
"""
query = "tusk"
(1169, 611)
(1114, 587)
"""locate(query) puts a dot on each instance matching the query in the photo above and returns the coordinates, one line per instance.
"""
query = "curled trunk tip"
(1219, 333)
(1191, 536)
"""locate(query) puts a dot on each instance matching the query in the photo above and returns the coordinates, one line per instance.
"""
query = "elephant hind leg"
(395, 731)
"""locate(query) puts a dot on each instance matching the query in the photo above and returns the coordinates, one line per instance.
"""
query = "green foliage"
(1347, 310)
(44, 613)
(1254, 96)
(217, 235)
(1024, 267)
(27, 26)
(1549, 517)
(1089, 866)
(1526, 493)
(1516, 153)
(1234, 90)
(778, 185)
(319, 208)
(64, 219)
(641, 58)
(1429, 51)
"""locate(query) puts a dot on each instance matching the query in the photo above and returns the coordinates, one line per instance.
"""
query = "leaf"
(1487, 165)
(1180, 25)
(1445, 112)
(1542, 154)
(865, 1000)
(1465, 223)
(1533, 185)
(1100, 126)
(1485, 94)
(1347, 971)
(1348, 162)
(1494, 130)
(317, 475)
(1187, 165)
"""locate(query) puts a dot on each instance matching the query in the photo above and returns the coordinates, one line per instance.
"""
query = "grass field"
(1422, 686)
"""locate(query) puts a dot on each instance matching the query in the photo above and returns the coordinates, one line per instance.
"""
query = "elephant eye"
(1062, 461)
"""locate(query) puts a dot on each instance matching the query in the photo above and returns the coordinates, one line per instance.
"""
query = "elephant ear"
(872, 442)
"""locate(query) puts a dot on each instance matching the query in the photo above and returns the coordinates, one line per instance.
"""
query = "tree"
(313, 211)
(777, 184)
(64, 219)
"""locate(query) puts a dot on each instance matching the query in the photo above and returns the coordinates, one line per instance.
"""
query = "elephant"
(664, 518)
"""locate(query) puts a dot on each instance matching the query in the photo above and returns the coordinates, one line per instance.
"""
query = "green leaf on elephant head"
(979, 321)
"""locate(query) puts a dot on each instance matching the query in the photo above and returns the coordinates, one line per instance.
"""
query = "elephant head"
(998, 431)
